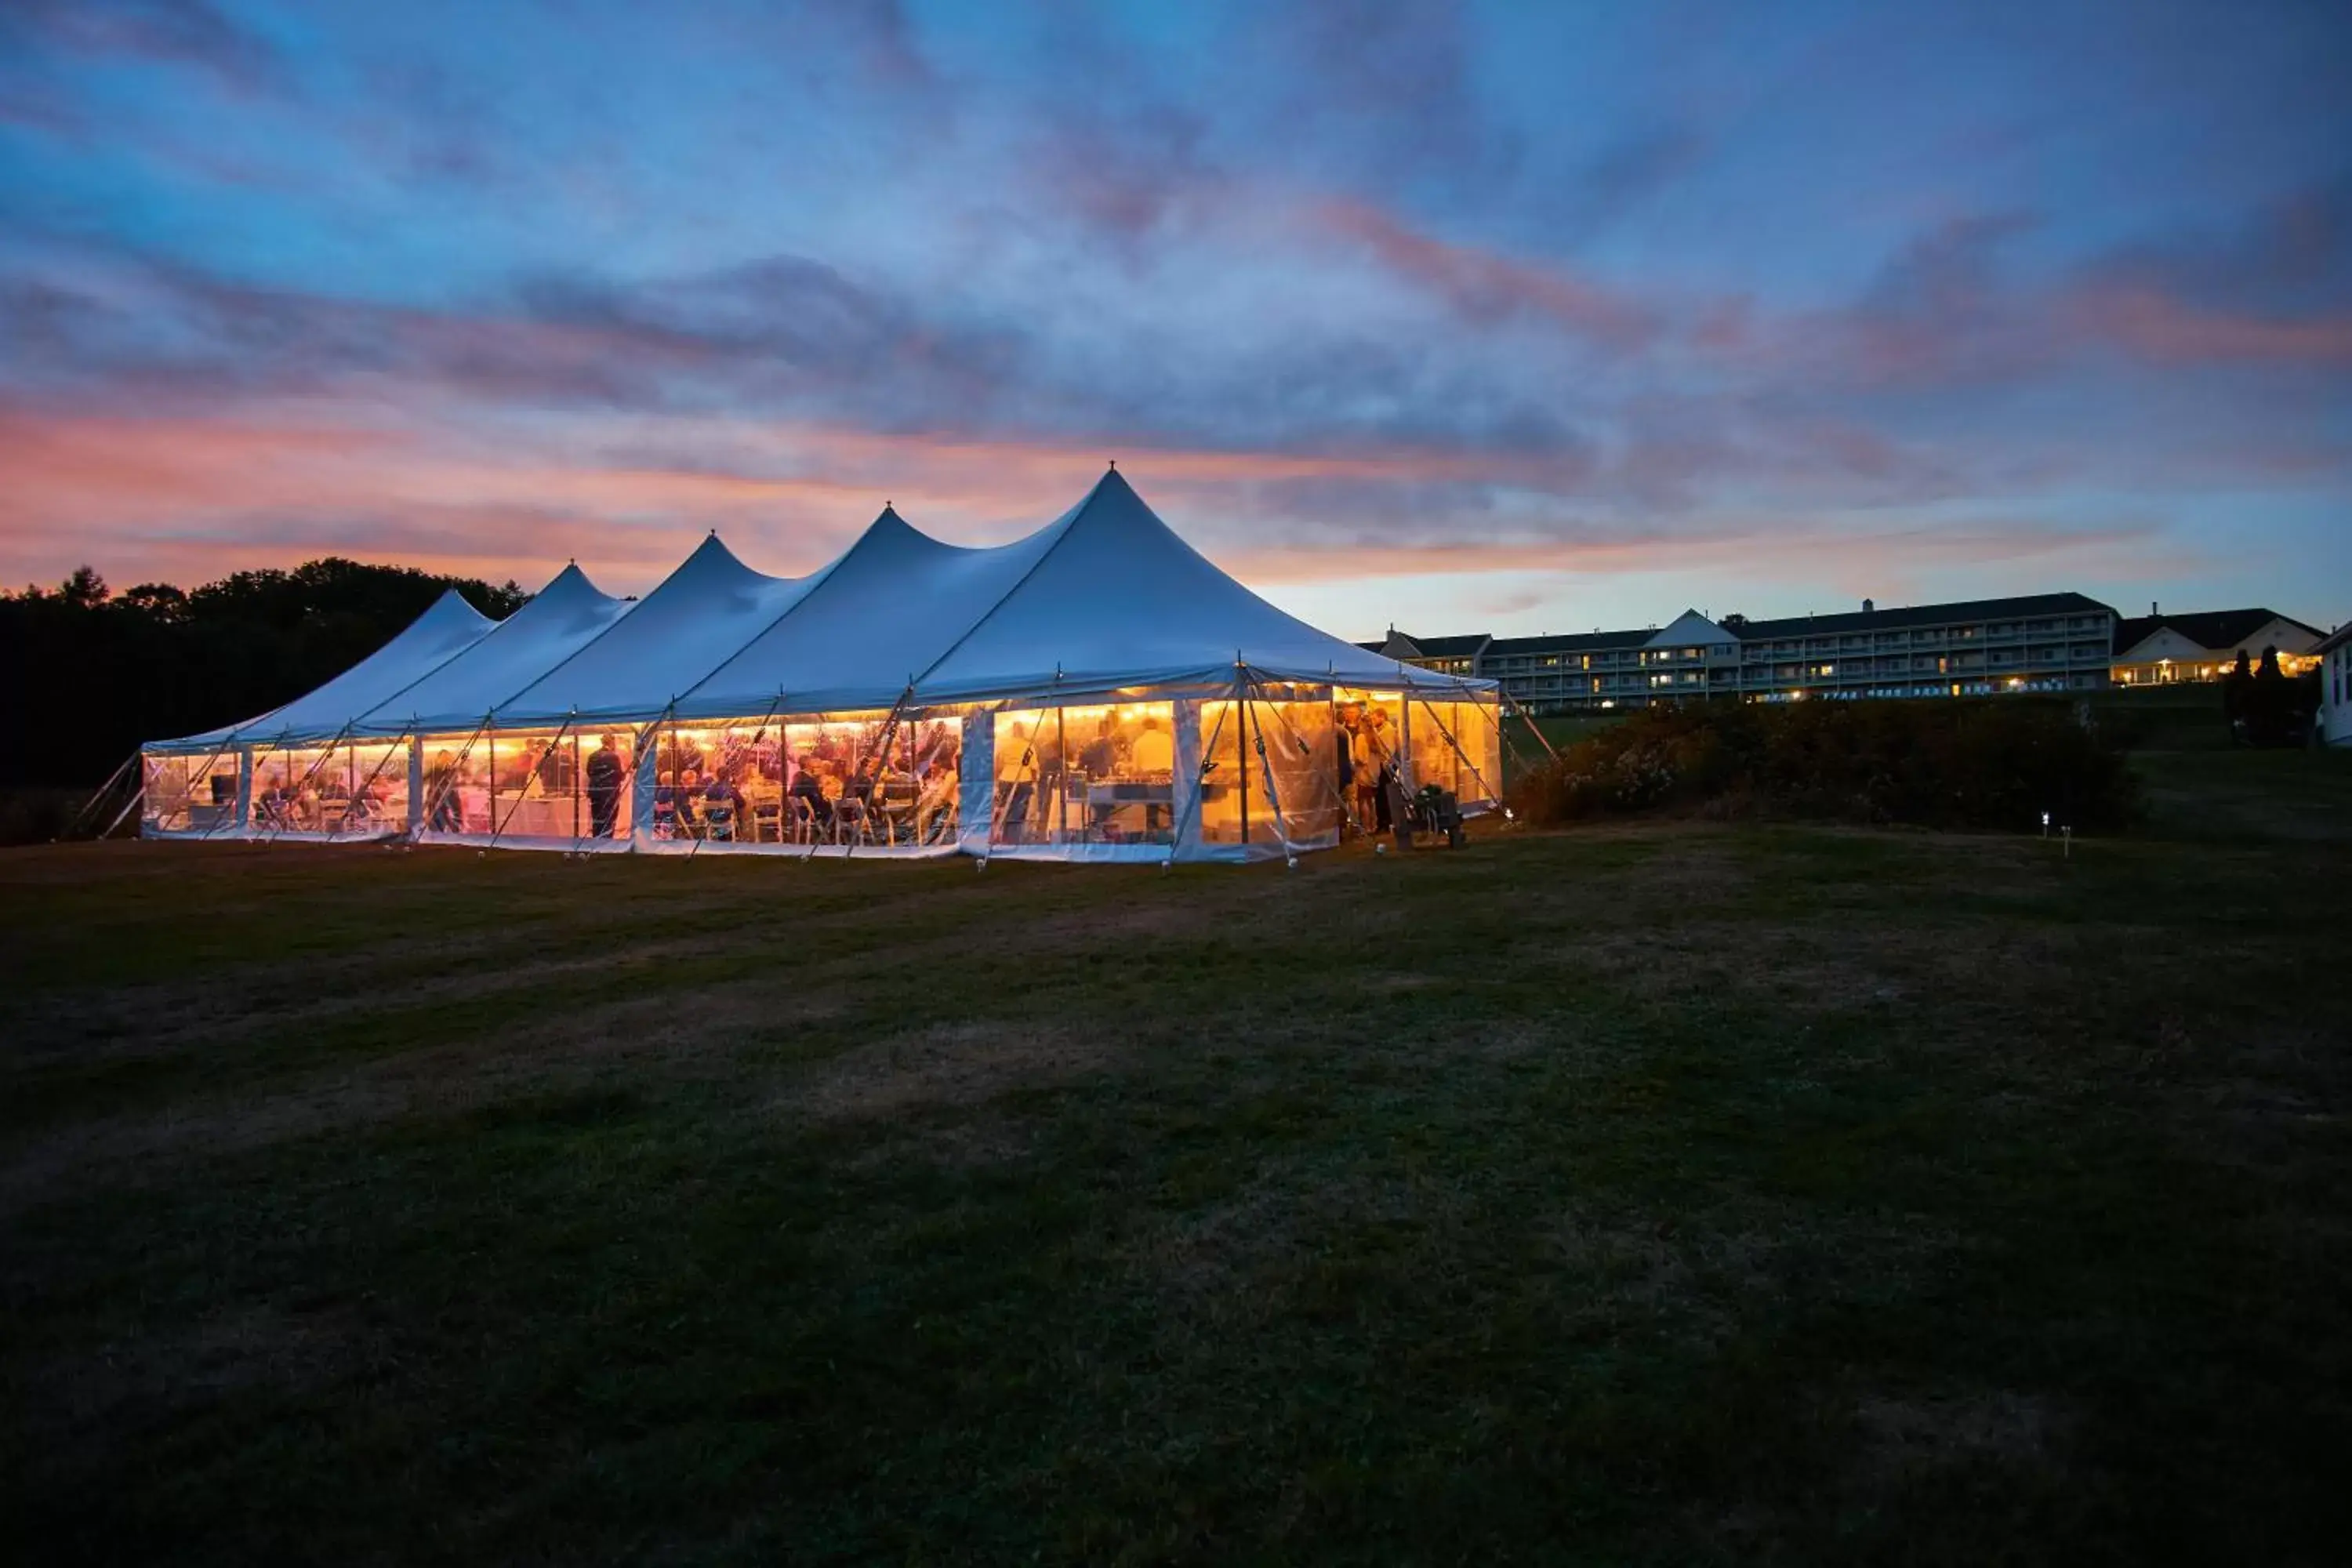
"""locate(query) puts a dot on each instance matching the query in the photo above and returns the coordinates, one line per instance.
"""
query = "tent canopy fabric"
(687, 627)
(883, 615)
(561, 619)
(449, 627)
(1105, 597)
(1115, 598)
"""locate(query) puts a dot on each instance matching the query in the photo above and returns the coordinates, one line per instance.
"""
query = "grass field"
(1673, 1193)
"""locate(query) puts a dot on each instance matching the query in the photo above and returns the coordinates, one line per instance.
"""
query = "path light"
(2045, 824)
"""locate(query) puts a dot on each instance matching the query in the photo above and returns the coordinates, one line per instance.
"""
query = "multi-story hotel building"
(2044, 642)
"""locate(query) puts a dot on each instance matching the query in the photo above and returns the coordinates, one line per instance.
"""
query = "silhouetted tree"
(2270, 704)
(2235, 688)
(90, 673)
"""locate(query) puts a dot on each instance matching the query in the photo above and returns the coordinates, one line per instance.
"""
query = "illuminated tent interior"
(1096, 691)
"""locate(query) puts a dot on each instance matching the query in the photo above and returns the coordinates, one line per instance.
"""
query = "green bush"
(37, 816)
(1997, 764)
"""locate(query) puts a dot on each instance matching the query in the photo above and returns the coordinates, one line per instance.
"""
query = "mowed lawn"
(1674, 1192)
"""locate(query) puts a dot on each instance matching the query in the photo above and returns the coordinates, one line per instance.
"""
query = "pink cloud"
(1485, 285)
(2165, 329)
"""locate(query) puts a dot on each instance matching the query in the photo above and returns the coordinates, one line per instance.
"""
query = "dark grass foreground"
(1672, 1193)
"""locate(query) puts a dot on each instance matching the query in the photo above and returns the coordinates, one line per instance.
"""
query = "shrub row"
(1998, 763)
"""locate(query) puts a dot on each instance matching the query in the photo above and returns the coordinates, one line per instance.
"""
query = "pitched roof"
(1568, 642)
(1922, 615)
(2215, 630)
(1461, 646)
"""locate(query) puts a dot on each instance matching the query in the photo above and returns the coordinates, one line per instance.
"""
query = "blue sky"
(1453, 316)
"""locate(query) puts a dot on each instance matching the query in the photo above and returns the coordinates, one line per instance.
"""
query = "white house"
(2335, 654)
(2157, 649)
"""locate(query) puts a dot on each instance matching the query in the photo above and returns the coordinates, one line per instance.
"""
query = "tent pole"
(1347, 812)
(1256, 729)
(699, 843)
(391, 750)
(1208, 762)
(433, 805)
(1458, 752)
(308, 774)
(245, 785)
(1529, 719)
(104, 791)
(136, 795)
(500, 825)
(580, 784)
(1241, 743)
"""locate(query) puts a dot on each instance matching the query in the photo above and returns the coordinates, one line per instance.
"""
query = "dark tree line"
(2267, 707)
(86, 674)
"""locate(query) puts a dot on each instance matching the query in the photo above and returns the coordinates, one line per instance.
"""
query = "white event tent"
(1095, 690)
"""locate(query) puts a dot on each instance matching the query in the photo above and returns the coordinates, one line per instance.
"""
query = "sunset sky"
(1512, 317)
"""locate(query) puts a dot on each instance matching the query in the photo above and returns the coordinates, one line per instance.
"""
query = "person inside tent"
(1016, 780)
(1153, 757)
(606, 772)
(1098, 760)
(722, 805)
(447, 813)
(806, 802)
(935, 799)
(1375, 756)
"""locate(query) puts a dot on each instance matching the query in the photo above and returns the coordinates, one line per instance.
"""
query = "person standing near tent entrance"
(1016, 780)
(605, 771)
(441, 782)
(1153, 754)
(1370, 758)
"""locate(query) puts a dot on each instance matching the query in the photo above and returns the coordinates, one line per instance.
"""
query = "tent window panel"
(1117, 774)
(298, 789)
(605, 764)
(1435, 759)
(1221, 751)
(845, 779)
(190, 795)
(1027, 764)
(1302, 755)
(719, 781)
(533, 783)
(935, 759)
(362, 790)
(457, 783)
(1482, 739)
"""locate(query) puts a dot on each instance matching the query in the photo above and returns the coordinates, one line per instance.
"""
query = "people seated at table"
(1098, 758)
(722, 807)
(935, 799)
(806, 799)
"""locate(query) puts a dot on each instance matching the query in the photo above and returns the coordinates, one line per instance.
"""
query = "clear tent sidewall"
(183, 803)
